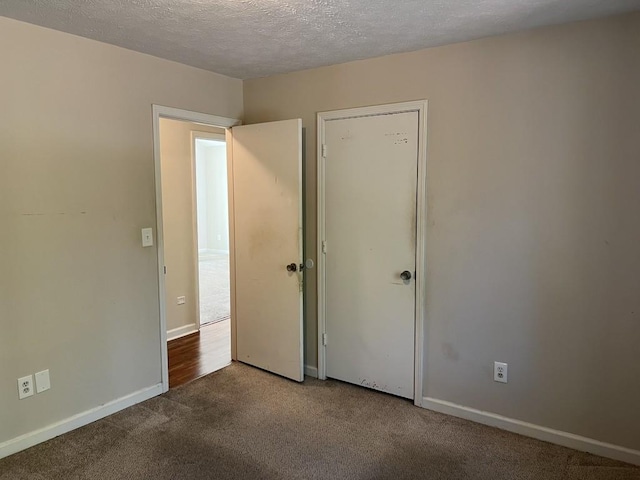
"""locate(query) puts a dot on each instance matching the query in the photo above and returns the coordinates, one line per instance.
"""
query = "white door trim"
(419, 106)
(160, 111)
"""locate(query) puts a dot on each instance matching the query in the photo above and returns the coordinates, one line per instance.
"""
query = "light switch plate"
(147, 237)
(43, 382)
(182, 300)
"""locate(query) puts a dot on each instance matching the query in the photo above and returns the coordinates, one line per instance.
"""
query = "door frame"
(419, 106)
(160, 111)
(196, 135)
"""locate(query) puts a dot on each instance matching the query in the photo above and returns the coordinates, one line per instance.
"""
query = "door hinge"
(324, 339)
(324, 151)
(165, 269)
(324, 246)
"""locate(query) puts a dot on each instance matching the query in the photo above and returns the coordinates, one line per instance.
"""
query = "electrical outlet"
(500, 371)
(25, 387)
(181, 300)
(43, 382)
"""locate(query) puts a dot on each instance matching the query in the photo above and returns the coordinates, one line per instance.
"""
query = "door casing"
(419, 106)
(159, 111)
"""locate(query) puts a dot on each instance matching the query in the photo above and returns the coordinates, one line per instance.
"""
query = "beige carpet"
(243, 423)
(215, 304)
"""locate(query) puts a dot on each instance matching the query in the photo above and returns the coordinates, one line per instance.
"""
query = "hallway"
(200, 353)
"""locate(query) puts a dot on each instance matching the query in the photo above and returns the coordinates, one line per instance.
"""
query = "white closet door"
(371, 171)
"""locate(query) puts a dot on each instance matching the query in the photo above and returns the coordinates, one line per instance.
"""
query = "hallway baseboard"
(181, 331)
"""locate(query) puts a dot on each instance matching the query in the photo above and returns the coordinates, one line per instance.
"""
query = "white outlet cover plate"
(25, 387)
(500, 371)
(43, 382)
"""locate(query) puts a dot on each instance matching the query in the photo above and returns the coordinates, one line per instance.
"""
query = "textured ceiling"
(257, 38)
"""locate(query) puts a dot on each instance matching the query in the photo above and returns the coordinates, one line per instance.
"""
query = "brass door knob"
(292, 267)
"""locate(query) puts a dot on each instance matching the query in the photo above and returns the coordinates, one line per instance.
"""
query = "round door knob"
(406, 275)
(292, 267)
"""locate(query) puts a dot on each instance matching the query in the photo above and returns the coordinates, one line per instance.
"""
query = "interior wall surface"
(532, 238)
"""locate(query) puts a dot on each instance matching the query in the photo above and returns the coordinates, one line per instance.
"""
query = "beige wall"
(177, 219)
(78, 293)
(533, 227)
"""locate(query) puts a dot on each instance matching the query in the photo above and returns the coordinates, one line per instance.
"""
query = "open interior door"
(267, 199)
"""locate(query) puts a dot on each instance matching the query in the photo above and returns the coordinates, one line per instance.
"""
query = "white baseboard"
(47, 433)
(181, 331)
(550, 435)
(310, 371)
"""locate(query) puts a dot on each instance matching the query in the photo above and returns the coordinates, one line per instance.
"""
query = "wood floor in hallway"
(200, 353)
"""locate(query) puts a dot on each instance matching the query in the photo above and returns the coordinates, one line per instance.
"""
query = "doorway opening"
(212, 224)
(195, 341)
(264, 223)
